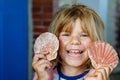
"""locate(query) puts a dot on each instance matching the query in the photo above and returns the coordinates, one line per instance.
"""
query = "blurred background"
(22, 21)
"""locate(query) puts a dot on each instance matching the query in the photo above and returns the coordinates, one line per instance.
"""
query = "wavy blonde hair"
(90, 21)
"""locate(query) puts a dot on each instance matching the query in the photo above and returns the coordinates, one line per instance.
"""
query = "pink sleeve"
(35, 77)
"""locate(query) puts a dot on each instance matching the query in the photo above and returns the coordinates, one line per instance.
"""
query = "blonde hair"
(90, 21)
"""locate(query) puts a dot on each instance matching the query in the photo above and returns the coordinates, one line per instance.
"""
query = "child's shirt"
(58, 75)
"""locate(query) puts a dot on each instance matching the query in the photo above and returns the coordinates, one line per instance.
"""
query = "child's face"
(73, 46)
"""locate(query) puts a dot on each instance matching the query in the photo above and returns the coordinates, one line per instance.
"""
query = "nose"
(75, 40)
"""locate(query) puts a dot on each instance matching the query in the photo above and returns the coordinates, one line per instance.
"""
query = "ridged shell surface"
(47, 42)
(102, 54)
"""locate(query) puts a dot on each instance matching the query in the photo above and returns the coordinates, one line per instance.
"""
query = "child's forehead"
(69, 27)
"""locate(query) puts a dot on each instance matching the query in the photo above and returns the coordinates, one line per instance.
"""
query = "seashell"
(102, 54)
(47, 42)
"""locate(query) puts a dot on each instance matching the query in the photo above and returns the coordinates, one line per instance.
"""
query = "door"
(13, 39)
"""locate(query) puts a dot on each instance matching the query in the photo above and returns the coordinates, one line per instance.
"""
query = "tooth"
(75, 51)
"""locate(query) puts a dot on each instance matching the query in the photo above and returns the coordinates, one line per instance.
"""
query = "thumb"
(91, 75)
(90, 78)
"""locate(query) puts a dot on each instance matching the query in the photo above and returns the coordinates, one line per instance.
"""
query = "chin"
(75, 63)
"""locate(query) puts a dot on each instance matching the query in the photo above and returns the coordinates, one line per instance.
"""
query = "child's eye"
(84, 35)
(66, 34)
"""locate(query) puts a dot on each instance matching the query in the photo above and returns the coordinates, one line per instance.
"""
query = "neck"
(71, 70)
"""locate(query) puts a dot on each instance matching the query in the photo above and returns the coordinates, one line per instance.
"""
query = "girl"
(76, 27)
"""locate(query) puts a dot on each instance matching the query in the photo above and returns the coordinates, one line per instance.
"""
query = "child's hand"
(99, 74)
(41, 66)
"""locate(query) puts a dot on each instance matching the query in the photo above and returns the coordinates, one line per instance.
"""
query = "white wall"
(62, 2)
(111, 21)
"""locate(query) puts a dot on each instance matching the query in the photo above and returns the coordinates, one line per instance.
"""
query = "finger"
(90, 78)
(111, 68)
(44, 61)
(104, 73)
(45, 52)
(46, 66)
(100, 72)
(37, 57)
(41, 63)
(108, 71)
(91, 73)
(99, 75)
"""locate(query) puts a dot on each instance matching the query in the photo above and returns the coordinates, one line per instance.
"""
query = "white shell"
(47, 42)
(102, 54)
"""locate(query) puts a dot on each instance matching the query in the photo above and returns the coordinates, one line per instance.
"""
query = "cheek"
(62, 44)
(86, 44)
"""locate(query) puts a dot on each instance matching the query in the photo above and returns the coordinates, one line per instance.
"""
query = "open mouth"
(74, 53)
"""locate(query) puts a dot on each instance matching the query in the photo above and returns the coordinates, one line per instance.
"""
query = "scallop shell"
(102, 54)
(47, 42)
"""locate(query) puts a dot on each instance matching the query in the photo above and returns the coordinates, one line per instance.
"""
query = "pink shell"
(47, 42)
(102, 54)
